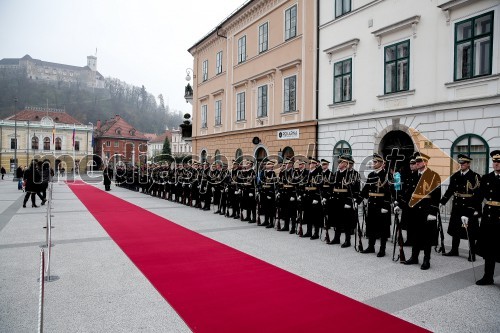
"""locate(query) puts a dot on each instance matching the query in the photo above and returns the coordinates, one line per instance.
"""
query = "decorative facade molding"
(404, 24)
(353, 43)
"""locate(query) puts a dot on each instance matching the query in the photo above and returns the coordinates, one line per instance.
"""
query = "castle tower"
(92, 63)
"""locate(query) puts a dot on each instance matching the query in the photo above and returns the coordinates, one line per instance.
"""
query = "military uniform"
(313, 214)
(288, 197)
(423, 208)
(488, 246)
(267, 194)
(377, 191)
(464, 188)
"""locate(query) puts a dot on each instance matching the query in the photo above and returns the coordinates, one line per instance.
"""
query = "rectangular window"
(290, 94)
(342, 7)
(204, 69)
(218, 112)
(46, 144)
(218, 63)
(242, 49)
(474, 47)
(108, 143)
(342, 81)
(77, 145)
(13, 143)
(240, 106)
(117, 144)
(263, 37)
(291, 22)
(397, 64)
(262, 101)
(204, 112)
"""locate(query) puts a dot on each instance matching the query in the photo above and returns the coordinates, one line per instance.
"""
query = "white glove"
(299, 198)
(315, 202)
(346, 206)
(396, 203)
(384, 211)
(237, 192)
(226, 189)
(277, 196)
(213, 189)
(431, 217)
(292, 199)
(199, 187)
(250, 195)
(465, 221)
(355, 206)
(268, 198)
(323, 201)
(190, 185)
(476, 213)
(397, 210)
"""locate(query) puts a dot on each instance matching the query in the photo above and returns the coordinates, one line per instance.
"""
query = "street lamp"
(15, 140)
(92, 146)
(188, 90)
(188, 75)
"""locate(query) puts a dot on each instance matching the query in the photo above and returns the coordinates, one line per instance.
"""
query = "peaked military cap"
(495, 155)
(313, 160)
(463, 158)
(343, 158)
(323, 161)
(378, 157)
(421, 157)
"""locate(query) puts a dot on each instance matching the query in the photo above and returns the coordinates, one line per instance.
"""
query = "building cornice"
(404, 24)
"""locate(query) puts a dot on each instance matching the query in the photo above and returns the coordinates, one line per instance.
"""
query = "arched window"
(474, 146)
(341, 147)
(287, 153)
(203, 156)
(58, 143)
(34, 143)
(238, 154)
(260, 155)
(217, 155)
(46, 143)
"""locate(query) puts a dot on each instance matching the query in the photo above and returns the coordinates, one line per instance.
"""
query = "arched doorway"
(260, 155)
(401, 141)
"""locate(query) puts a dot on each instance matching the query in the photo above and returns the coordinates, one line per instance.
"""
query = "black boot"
(414, 257)
(371, 246)
(347, 242)
(426, 264)
(489, 270)
(336, 238)
(381, 251)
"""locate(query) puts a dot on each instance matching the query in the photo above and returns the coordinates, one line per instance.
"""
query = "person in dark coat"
(45, 173)
(464, 188)
(488, 246)
(107, 176)
(19, 175)
(33, 179)
(423, 209)
(377, 191)
(3, 172)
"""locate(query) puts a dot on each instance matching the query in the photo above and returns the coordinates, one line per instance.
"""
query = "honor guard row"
(292, 196)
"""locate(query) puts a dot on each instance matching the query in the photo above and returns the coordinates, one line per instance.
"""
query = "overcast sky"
(141, 42)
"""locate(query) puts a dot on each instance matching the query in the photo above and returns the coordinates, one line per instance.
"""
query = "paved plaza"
(96, 288)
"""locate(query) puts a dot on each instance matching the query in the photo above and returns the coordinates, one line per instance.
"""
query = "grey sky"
(141, 42)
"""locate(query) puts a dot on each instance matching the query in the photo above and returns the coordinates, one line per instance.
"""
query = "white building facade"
(409, 74)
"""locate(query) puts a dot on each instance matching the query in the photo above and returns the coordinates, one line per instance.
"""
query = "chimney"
(98, 125)
(117, 116)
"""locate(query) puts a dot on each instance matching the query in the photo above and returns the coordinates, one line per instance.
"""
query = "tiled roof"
(118, 128)
(161, 138)
(37, 114)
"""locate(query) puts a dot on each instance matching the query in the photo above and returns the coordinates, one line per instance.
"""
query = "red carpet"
(216, 288)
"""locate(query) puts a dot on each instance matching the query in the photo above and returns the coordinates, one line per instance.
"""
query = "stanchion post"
(42, 291)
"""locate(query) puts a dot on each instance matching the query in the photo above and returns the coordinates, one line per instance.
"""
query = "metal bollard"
(42, 290)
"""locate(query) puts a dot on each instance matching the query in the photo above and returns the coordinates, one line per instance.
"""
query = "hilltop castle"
(35, 69)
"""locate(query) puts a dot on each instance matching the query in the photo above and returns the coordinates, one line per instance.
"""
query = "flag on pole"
(54, 134)
(74, 136)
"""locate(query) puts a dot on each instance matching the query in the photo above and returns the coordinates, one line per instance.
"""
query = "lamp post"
(188, 91)
(15, 140)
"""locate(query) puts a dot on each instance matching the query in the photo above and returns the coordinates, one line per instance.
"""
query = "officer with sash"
(423, 208)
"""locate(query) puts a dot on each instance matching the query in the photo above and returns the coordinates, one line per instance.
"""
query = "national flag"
(54, 134)
(74, 136)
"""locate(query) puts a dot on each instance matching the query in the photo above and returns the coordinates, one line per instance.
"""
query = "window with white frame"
(218, 63)
(262, 101)
(218, 112)
(242, 49)
(204, 70)
(474, 46)
(342, 7)
(342, 84)
(240, 106)
(263, 37)
(291, 22)
(290, 94)
(204, 111)
(397, 65)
